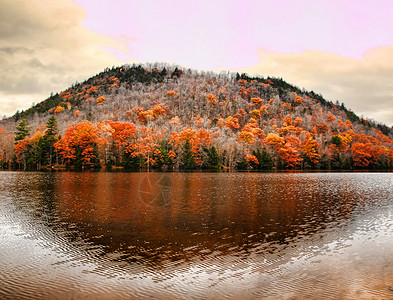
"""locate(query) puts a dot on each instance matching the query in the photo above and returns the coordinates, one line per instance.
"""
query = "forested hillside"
(161, 117)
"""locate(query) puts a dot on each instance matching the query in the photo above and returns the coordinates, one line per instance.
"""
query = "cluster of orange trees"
(88, 145)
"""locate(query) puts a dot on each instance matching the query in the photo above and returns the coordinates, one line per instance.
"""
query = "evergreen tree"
(188, 162)
(22, 130)
(162, 159)
(241, 165)
(213, 159)
(265, 160)
(50, 137)
(130, 162)
(51, 127)
(34, 156)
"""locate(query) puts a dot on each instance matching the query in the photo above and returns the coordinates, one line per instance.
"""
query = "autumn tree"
(6, 148)
(79, 146)
(310, 148)
(338, 147)
(144, 147)
(28, 152)
(287, 150)
(121, 136)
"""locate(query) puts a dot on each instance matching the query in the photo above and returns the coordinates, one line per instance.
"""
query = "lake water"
(196, 235)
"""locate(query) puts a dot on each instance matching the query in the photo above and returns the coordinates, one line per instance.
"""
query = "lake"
(67, 235)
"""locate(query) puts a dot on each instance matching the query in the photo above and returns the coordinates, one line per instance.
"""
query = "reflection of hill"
(206, 213)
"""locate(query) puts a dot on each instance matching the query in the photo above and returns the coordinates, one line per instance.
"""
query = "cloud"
(363, 85)
(44, 49)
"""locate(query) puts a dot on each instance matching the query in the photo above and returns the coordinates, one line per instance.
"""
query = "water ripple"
(219, 236)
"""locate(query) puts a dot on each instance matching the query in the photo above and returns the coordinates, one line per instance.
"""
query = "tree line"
(125, 145)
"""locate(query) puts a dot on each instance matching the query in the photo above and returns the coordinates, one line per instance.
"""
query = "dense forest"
(158, 116)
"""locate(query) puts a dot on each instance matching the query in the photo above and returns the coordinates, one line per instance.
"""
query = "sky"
(341, 49)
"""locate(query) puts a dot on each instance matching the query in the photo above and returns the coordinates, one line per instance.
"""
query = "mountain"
(160, 116)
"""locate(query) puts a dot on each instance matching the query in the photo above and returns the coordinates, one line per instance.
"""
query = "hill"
(165, 117)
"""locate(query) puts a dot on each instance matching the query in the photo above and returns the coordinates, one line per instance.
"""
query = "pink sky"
(226, 34)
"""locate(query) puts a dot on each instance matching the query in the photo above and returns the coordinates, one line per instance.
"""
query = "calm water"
(196, 236)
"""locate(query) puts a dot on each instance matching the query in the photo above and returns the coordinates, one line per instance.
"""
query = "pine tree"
(50, 137)
(130, 161)
(265, 160)
(188, 162)
(22, 130)
(213, 159)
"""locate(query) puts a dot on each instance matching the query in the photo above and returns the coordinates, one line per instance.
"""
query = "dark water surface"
(196, 236)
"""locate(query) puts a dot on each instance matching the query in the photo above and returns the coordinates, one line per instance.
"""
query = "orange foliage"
(331, 117)
(247, 137)
(242, 81)
(176, 120)
(362, 154)
(151, 114)
(198, 121)
(256, 100)
(115, 82)
(298, 122)
(145, 145)
(288, 129)
(66, 95)
(92, 90)
(242, 112)
(84, 136)
(59, 109)
(251, 158)
(310, 148)
(289, 156)
(263, 109)
(22, 146)
(249, 132)
(232, 123)
(365, 154)
(322, 128)
(256, 114)
(100, 99)
(287, 149)
(287, 120)
(299, 100)
(274, 140)
(158, 110)
(197, 139)
(211, 99)
(122, 133)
